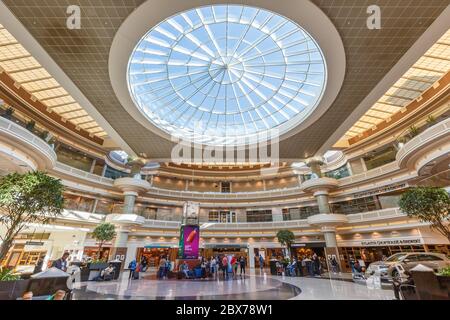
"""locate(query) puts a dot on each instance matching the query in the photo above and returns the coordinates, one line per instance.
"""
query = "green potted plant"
(430, 205)
(11, 286)
(28, 198)
(286, 238)
(413, 131)
(8, 113)
(431, 120)
(30, 125)
(44, 135)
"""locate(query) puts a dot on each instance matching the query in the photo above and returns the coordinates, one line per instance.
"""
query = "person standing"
(144, 263)
(300, 266)
(316, 264)
(61, 263)
(308, 265)
(242, 263)
(132, 268)
(351, 261)
(213, 265)
(261, 262)
(38, 266)
(162, 267)
(225, 267)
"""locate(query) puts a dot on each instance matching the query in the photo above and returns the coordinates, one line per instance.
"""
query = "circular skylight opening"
(226, 75)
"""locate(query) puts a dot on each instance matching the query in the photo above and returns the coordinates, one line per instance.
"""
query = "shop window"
(74, 158)
(259, 216)
(222, 216)
(104, 207)
(380, 158)
(339, 173)
(114, 174)
(355, 206)
(225, 187)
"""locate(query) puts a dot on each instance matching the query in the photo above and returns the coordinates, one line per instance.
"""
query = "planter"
(11, 290)
(444, 284)
(430, 286)
(98, 266)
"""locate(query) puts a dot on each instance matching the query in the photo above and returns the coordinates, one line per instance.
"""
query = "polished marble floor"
(255, 286)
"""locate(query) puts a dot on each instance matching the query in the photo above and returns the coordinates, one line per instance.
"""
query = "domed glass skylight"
(224, 74)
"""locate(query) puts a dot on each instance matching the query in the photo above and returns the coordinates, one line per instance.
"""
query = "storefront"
(92, 252)
(237, 250)
(153, 254)
(308, 249)
(368, 251)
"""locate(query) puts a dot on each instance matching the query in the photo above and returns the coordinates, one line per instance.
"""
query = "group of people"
(136, 268)
(310, 265)
(215, 265)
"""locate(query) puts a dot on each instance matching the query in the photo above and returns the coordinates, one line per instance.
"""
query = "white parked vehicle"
(407, 260)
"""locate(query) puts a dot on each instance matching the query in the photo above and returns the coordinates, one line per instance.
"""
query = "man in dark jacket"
(38, 266)
(61, 263)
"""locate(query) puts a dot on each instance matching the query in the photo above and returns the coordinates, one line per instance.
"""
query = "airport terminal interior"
(224, 150)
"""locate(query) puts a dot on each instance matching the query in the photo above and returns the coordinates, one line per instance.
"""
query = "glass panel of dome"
(238, 66)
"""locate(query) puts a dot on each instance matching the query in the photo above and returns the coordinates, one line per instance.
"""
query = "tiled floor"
(255, 286)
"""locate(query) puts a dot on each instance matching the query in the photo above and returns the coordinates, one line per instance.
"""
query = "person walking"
(132, 267)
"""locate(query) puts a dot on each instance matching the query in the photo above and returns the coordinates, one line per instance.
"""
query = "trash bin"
(118, 267)
(273, 267)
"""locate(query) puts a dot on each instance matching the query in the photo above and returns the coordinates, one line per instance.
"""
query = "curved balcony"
(352, 220)
(417, 149)
(423, 142)
(18, 143)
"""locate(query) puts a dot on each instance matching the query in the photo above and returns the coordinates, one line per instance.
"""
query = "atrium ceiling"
(83, 55)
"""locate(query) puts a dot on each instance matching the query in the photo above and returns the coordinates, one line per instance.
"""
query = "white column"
(129, 201)
(363, 164)
(277, 214)
(251, 256)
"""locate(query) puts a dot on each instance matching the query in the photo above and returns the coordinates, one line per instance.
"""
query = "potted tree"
(102, 233)
(33, 197)
(430, 205)
(286, 238)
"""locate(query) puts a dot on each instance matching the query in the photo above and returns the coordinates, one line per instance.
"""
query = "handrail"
(390, 213)
(28, 138)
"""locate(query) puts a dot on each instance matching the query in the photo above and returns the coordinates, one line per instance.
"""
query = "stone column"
(326, 220)
(131, 188)
(129, 201)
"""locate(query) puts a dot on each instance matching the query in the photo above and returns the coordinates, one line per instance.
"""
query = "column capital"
(132, 185)
(329, 221)
(321, 185)
(315, 161)
(130, 193)
(124, 221)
